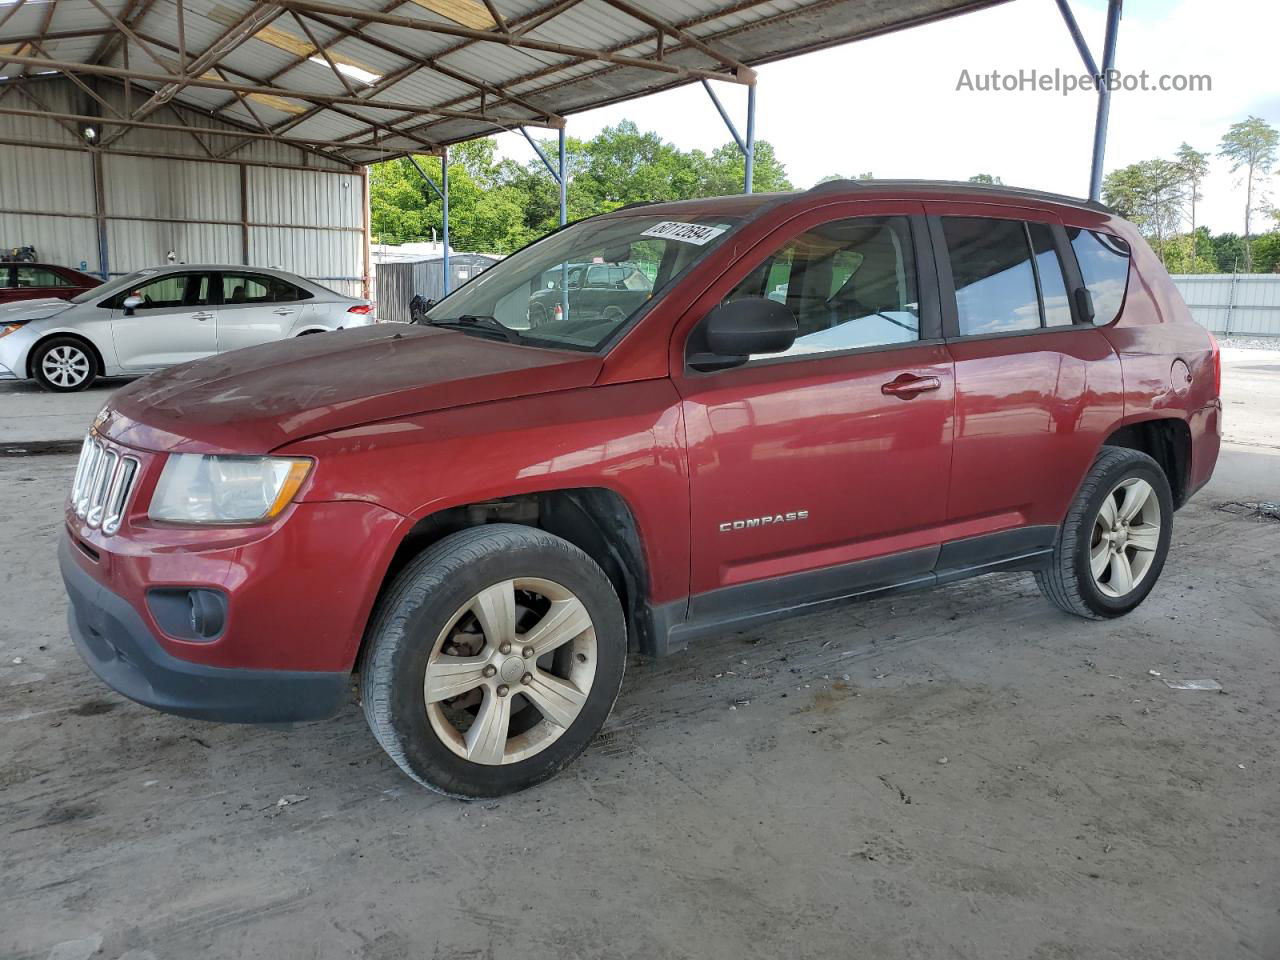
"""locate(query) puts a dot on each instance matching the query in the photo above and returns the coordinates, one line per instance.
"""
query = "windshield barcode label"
(695, 233)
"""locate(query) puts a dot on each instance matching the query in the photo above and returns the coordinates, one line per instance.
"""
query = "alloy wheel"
(66, 366)
(511, 671)
(1126, 536)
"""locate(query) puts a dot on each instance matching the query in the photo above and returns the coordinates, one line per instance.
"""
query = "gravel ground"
(965, 773)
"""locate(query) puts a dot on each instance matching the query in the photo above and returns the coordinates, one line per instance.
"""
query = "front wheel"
(64, 365)
(493, 660)
(1113, 544)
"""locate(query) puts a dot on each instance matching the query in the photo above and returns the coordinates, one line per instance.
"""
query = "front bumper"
(121, 649)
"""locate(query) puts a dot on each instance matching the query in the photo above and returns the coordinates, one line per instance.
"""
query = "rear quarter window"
(1104, 267)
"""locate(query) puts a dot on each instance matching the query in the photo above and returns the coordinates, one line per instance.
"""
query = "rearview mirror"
(131, 304)
(732, 332)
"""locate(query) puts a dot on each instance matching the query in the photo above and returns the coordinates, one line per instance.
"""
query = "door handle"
(908, 385)
(203, 316)
(283, 311)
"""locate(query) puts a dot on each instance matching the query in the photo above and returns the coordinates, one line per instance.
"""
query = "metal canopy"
(366, 80)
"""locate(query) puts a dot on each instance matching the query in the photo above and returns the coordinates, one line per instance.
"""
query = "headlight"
(203, 489)
(9, 328)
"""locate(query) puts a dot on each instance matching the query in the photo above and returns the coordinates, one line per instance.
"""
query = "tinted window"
(6, 277)
(1104, 266)
(39, 277)
(170, 292)
(994, 280)
(850, 283)
(252, 288)
(1053, 287)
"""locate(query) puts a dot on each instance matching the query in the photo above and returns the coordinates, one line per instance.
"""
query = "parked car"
(34, 281)
(605, 290)
(162, 316)
(480, 521)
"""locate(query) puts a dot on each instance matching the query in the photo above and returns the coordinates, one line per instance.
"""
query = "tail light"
(558, 312)
(1217, 366)
(364, 309)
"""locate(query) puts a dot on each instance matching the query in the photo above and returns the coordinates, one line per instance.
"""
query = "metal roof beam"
(742, 72)
(180, 127)
(247, 88)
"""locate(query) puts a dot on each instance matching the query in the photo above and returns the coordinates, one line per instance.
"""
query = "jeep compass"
(814, 397)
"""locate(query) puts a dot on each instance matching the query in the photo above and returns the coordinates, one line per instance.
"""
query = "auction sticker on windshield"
(696, 233)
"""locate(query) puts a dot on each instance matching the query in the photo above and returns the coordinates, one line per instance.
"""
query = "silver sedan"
(158, 317)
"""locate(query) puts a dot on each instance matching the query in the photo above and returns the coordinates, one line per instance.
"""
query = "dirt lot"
(959, 774)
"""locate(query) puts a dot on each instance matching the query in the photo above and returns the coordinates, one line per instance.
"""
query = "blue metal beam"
(1114, 10)
(746, 145)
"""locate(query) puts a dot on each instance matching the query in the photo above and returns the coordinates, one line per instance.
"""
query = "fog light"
(189, 613)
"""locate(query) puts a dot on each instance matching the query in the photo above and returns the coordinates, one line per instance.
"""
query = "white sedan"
(158, 317)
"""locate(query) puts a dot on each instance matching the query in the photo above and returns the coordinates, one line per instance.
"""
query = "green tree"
(986, 178)
(1194, 166)
(1228, 252)
(1250, 145)
(1149, 194)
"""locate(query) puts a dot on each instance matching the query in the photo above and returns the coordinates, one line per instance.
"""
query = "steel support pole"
(1114, 9)
(750, 151)
(563, 181)
(444, 198)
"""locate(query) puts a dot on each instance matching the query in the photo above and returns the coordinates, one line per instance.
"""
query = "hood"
(21, 311)
(258, 399)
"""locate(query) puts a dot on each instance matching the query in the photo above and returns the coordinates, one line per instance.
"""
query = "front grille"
(104, 479)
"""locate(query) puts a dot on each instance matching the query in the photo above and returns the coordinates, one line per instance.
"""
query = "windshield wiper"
(480, 324)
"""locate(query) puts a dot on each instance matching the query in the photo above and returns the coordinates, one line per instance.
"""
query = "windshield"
(579, 286)
(111, 286)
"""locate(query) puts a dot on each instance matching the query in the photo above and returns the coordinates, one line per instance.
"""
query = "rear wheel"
(493, 660)
(64, 364)
(1114, 541)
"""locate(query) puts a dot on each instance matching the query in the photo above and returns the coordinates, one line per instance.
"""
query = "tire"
(1091, 539)
(428, 629)
(64, 364)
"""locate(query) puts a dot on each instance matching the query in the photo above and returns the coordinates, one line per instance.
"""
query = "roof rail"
(962, 186)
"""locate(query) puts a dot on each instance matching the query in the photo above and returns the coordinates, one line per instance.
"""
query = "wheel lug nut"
(503, 690)
(527, 678)
(527, 653)
(490, 670)
(504, 648)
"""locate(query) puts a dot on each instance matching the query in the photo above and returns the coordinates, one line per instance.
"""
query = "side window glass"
(1053, 288)
(242, 288)
(164, 293)
(6, 277)
(850, 283)
(994, 281)
(39, 277)
(1104, 266)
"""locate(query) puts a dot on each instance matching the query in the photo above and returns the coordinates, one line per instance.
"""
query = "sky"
(890, 105)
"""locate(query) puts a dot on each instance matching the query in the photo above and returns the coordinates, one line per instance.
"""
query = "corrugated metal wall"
(398, 282)
(266, 205)
(1244, 303)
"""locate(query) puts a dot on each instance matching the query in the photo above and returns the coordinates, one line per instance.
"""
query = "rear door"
(822, 471)
(256, 308)
(174, 324)
(1036, 385)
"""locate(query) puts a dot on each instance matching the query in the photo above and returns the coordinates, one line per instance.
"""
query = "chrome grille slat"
(103, 481)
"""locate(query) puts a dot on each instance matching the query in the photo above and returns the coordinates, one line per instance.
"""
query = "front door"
(175, 322)
(822, 471)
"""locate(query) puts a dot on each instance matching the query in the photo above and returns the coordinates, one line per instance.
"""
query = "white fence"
(1241, 303)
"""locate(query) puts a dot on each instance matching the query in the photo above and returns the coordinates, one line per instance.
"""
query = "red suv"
(860, 389)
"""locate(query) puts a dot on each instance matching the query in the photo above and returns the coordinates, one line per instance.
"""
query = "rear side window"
(1104, 266)
(252, 288)
(994, 280)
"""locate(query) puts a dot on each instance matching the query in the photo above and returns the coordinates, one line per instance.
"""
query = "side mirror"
(131, 304)
(1084, 305)
(730, 333)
